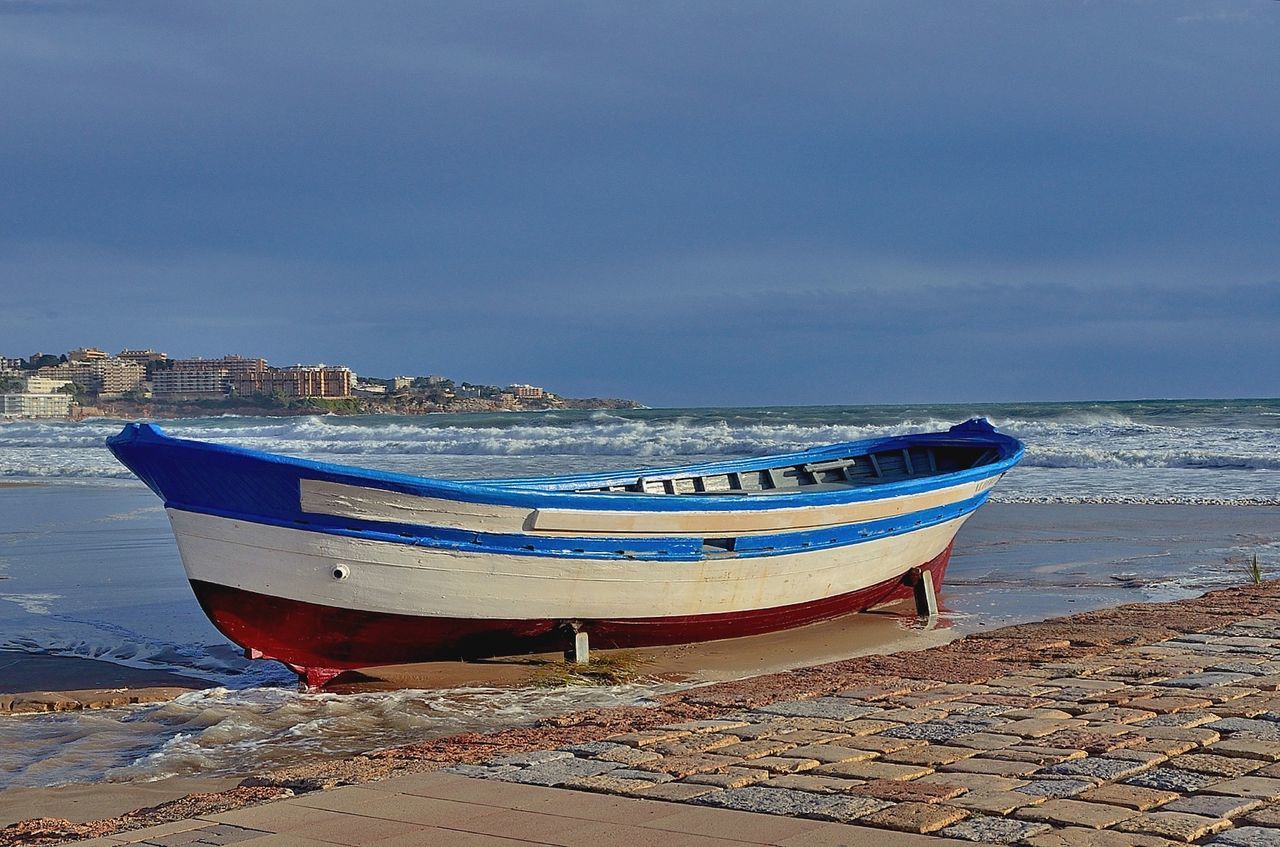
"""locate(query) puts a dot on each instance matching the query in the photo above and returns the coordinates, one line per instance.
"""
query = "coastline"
(32, 683)
(1055, 646)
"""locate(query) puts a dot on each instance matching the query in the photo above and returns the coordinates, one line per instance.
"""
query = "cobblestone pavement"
(1171, 742)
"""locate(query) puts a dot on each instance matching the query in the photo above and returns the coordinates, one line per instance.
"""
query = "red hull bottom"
(318, 642)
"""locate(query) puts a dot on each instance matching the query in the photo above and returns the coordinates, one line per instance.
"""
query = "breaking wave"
(1222, 438)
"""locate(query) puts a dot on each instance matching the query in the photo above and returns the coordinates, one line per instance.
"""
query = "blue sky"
(708, 203)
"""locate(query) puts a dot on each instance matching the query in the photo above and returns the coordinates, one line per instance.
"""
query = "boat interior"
(875, 468)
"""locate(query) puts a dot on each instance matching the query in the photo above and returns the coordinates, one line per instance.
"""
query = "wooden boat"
(326, 567)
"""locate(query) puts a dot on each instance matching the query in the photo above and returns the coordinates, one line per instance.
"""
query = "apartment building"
(27, 405)
(298, 381)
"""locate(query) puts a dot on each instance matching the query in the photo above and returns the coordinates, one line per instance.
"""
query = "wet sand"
(31, 682)
(887, 630)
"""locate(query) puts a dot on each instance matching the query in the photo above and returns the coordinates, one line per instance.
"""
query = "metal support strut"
(926, 596)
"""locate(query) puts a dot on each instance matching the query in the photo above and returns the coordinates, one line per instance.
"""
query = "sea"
(1114, 502)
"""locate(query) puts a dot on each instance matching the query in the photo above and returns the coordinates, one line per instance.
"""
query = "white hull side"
(403, 579)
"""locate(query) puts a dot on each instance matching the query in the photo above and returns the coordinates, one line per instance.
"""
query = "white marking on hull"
(376, 504)
(384, 576)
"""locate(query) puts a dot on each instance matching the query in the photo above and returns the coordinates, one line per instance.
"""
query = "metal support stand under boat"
(926, 596)
(581, 653)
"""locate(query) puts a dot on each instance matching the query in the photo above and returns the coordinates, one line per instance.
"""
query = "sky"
(709, 203)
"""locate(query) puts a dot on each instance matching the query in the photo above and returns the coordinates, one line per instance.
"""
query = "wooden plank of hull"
(375, 504)
(403, 578)
(315, 637)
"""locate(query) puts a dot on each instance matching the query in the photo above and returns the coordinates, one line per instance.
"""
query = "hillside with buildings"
(147, 383)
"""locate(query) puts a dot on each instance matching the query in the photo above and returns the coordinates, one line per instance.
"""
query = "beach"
(98, 626)
(1129, 726)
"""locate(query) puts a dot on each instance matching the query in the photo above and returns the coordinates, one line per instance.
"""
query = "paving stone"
(1173, 779)
(1164, 746)
(818, 724)
(829, 753)
(591, 749)
(873, 770)
(675, 792)
(557, 771)
(881, 744)
(731, 778)
(1215, 765)
(1263, 729)
(1190, 718)
(711, 725)
(1166, 704)
(1212, 806)
(1204, 680)
(782, 764)
(974, 781)
(756, 748)
(682, 766)
(995, 767)
(1030, 753)
(934, 731)
(1247, 836)
(913, 716)
(1075, 813)
(652, 776)
(607, 784)
(931, 755)
(990, 830)
(697, 743)
(1091, 740)
(1039, 727)
(1199, 734)
(987, 740)
(909, 791)
(1131, 754)
(813, 736)
(1121, 715)
(1176, 826)
(1057, 788)
(1098, 768)
(1267, 815)
(813, 783)
(1023, 714)
(1130, 796)
(996, 802)
(1261, 787)
(624, 755)
(762, 729)
(1247, 748)
(836, 708)
(648, 737)
(916, 817)
(869, 726)
(1075, 836)
(481, 771)
(780, 801)
(536, 757)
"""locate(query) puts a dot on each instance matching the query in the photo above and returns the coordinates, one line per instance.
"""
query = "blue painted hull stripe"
(681, 549)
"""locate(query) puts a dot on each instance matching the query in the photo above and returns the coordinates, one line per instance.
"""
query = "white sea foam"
(1065, 439)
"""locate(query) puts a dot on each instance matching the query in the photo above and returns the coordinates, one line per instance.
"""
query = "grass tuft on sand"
(1254, 571)
(603, 669)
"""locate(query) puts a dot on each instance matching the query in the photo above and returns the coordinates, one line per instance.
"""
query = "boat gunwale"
(525, 492)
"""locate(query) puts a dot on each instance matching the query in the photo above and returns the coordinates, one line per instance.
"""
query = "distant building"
(43, 385)
(7, 364)
(400, 383)
(104, 377)
(142, 357)
(203, 378)
(525, 392)
(27, 405)
(298, 381)
(87, 354)
(374, 388)
(431, 380)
